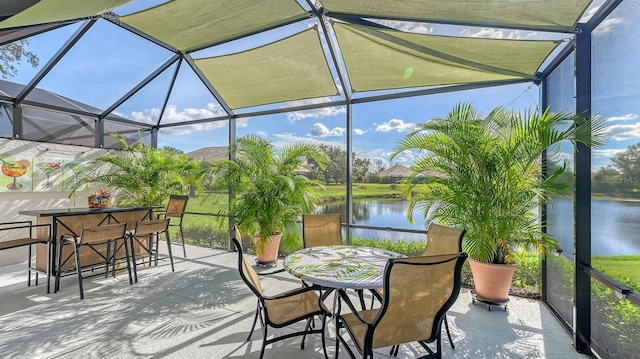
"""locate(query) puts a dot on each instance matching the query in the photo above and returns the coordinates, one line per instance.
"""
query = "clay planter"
(492, 281)
(270, 253)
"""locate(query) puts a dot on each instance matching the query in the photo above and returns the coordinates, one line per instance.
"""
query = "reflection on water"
(379, 213)
(615, 228)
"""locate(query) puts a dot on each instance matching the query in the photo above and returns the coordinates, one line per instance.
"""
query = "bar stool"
(147, 235)
(175, 209)
(92, 237)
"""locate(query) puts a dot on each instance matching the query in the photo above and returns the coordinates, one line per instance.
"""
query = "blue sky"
(109, 61)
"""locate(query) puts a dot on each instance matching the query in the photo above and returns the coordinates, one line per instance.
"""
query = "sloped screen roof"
(365, 46)
(189, 24)
(46, 11)
(550, 15)
(386, 59)
(290, 69)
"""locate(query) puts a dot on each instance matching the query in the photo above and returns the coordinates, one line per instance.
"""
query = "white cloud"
(146, 116)
(405, 158)
(407, 26)
(396, 125)
(171, 115)
(195, 128)
(624, 132)
(359, 131)
(283, 139)
(320, 130)
(242, 122)
(627, 117)
(606, 153)
(607, 25)
(499, 34)
(314, 113)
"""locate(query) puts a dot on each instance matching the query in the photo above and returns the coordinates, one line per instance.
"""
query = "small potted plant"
(487, 178)
(268, 193)
(101, 199)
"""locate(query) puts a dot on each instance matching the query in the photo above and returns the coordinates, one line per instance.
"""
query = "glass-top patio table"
(340, 266)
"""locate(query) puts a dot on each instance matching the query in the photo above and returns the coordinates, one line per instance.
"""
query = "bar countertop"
(59, 212)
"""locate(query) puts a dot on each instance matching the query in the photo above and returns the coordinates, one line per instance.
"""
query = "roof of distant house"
(210, 154)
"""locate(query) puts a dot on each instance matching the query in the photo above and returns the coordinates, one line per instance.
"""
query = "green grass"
(360, 190)
(624, 269)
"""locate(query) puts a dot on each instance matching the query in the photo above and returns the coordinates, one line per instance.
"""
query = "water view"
(615, 224)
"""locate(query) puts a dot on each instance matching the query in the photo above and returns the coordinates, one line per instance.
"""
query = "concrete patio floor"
(204, 310)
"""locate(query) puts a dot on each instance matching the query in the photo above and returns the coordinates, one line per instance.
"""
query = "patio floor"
(204, 310)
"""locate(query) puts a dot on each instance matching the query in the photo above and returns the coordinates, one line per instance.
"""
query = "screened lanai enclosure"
(353, 76)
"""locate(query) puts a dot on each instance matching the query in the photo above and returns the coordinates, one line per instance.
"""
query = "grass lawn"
(625, 269)
(360, 190)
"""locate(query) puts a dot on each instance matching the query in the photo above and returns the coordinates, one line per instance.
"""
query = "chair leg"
(56, 285)
(106, 271)
(133, 257)
(255, 320)
(306, 328)
(264, 339)
(446, 327)
(29, 269)
(361, 297)
(157, 243)
(78, 269)
(184, 249)
(324, 342)
(126, 252)
(169, 249)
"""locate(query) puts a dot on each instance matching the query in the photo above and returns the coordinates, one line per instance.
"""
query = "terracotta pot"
(492, 281)
(270, 253)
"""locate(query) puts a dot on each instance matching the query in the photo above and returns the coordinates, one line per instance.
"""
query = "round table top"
(340, 266)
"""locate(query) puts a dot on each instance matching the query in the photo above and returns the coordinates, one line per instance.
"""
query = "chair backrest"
(177, 205)
(247, 273)
(443, 240)
(321, 230)
(103, 234)
(145, 228)
(418, 292)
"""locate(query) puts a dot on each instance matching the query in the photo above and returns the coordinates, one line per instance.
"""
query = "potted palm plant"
(484, 174)
(268, 193)
(143, 175)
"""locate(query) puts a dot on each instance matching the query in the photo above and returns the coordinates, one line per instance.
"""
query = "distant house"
(395, 173)
(398, 172)
(210, 154)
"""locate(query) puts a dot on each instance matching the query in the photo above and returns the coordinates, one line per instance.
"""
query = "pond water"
(615, 224)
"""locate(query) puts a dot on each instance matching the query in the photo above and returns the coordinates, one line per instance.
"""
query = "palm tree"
(268, 193)
(143, 175)
(488, 174)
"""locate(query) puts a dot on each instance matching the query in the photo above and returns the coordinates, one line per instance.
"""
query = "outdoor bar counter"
(71, 221)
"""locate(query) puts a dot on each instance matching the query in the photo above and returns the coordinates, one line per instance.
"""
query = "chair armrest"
(291, 293)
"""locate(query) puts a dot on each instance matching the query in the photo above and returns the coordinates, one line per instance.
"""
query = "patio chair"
(18, 239)
(94, 238)
(443, 240)
(283, 309)
(411, 311)
(147, 236)
(321, 230)
(176, 209)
